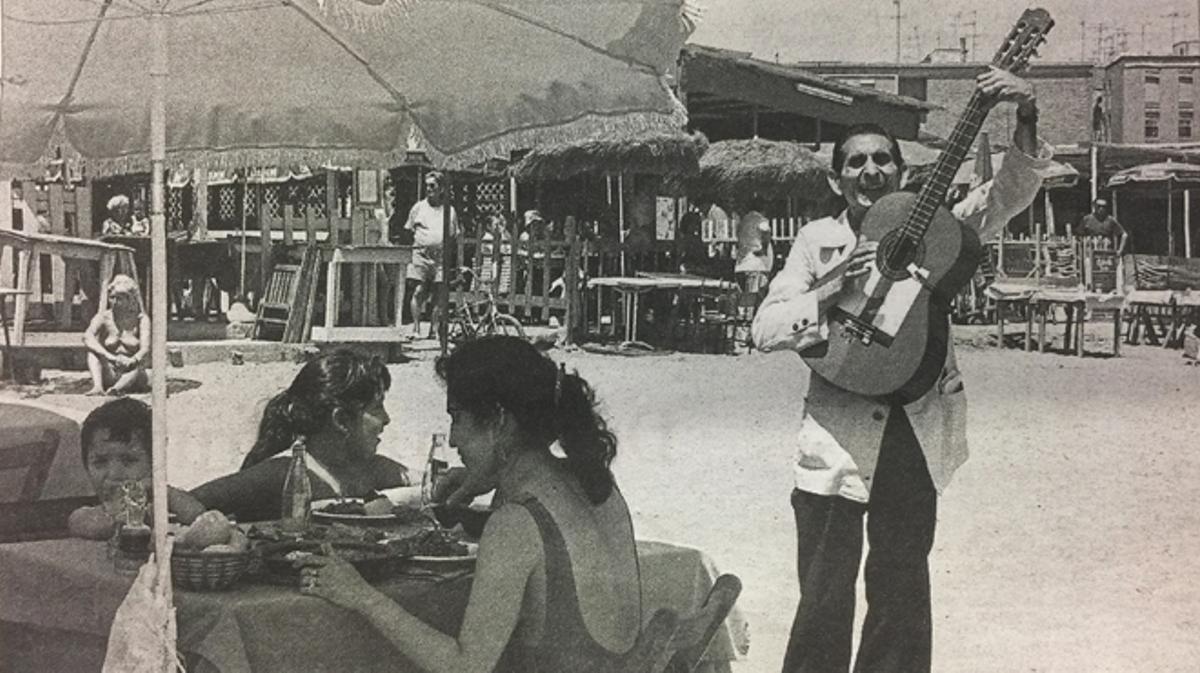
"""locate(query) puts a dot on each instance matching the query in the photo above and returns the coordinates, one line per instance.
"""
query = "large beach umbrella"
(1169, 174)
(126, 85)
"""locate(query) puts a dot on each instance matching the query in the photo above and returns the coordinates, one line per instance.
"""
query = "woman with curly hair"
(556, 585)
(336, 404)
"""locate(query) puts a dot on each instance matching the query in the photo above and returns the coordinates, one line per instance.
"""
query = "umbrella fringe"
(629, 123)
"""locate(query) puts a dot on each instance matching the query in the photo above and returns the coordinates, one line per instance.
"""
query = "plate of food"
(375, 511)
(374, 561)
(438, 546)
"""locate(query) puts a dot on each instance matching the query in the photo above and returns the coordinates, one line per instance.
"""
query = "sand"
(1068, 542)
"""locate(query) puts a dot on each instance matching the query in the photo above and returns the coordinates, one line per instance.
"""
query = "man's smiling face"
(869, 172)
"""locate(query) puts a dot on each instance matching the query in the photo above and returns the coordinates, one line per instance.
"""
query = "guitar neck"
(933, 192)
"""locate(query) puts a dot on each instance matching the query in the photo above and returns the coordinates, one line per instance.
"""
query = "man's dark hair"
(867, 129)
(124, 418)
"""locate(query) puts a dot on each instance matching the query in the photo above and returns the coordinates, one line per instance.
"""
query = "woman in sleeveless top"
(556, 584)
(118, 341)
(335, 403)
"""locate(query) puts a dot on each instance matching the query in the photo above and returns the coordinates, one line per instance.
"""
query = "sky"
(865, 30)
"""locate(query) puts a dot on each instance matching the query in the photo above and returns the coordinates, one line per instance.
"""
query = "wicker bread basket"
(207, 571)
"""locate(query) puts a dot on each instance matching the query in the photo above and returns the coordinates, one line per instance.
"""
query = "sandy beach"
(1066, 543)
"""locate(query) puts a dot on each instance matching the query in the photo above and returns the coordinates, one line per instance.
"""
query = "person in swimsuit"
(118, 341)
(336, 404)
(556, 585)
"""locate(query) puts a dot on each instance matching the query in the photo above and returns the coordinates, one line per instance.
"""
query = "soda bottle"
(436, 466)
(297, 491)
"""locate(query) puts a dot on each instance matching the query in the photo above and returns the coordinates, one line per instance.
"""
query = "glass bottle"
(435, 467)
(297, 491)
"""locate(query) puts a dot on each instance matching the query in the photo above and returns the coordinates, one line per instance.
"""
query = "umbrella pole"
(159, 69)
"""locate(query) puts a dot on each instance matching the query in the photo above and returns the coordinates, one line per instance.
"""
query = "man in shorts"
(426, 222)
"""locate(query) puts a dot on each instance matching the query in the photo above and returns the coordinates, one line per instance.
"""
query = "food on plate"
(437, 543)
(91, 523)
(353, 507)
(378, 507)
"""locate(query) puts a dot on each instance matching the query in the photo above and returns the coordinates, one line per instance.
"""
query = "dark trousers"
(901, 516)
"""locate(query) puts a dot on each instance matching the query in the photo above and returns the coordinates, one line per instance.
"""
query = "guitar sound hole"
(896, 252)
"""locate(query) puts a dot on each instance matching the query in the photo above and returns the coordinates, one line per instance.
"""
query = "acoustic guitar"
(889, 329)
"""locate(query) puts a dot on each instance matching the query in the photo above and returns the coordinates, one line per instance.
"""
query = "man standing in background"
(426, 222)
(1100, 223)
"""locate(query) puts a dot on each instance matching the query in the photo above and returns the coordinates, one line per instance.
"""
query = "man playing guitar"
(859, 455)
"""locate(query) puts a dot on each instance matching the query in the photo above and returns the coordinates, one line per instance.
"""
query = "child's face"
(112, 462)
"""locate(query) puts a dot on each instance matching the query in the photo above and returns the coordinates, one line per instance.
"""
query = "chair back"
(278, 299)
(651, 651)
(696, 631)
(35, 458)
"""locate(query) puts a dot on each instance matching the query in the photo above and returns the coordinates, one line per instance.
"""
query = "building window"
(1151, 89)
(1151, 127)
(1187, 79)
(1186, 114)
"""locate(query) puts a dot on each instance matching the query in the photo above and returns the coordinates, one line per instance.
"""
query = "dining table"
(58, 599)
(631, 288)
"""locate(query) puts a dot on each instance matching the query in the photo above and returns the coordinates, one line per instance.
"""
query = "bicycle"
(481, 318)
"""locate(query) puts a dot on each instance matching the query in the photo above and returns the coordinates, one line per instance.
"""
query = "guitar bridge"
(855, 328)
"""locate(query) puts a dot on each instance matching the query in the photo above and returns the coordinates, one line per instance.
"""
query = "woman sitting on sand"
(556, 584)
(118, 341)
(336, 404)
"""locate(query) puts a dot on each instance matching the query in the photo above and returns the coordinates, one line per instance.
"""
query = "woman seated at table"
(118, 341)
(336, 404)
(556, 585)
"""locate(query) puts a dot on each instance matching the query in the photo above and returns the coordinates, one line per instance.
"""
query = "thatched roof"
(658, 153)
(770, 169)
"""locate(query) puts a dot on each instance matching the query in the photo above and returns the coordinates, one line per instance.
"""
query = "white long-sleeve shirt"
(841, 431)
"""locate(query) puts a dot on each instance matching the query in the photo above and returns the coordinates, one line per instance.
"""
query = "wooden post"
(26, 258)
(1050, 223)
(1187, 223)
(443, 293)
(621, 216)
(358, 232)
(289, 221)
(331, 206)
(1170, 221)
(1095, 173)
(56, 213)
(200, 205)
(7, 255)
(571, 281)
(1035, 228)
(265, 252)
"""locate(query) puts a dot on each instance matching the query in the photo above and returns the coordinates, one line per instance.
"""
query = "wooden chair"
(696, 631)
(35, 457)
(653, 647)
(278, 299)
